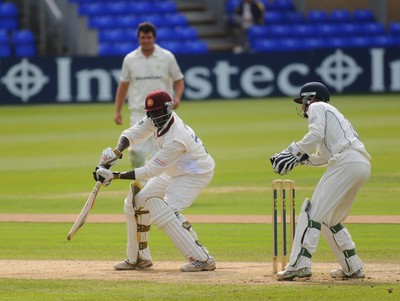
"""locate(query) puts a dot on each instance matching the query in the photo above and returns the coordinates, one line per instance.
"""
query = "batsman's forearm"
(128, 175)
(123, 144)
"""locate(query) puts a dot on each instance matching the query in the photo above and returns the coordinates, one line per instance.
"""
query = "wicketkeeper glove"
(288, 159)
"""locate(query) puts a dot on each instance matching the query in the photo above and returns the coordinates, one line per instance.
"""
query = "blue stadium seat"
(314, 43)
(117, 8)
(5, 47)
(166, 7)
(101, 22)
(173, 46)
(195, 47)
(274, 17)
(93, 9)
(127, 21)
(283, 5)
(383, 41)
(5, 50)
(361, 41)
(327, 29)
(338, 42)
(166, 33)
(294, 17)
(186, 33)
(258, 31)
(23, 37)
(24, 43)
(350, 29)
(394, 28)
(160, 20)
(363, 15)
(176, 20)
(303, 30)
(277, 31)
(125, 48)
(105, 49)
(4, 37)
(268, 5)
(318, 16)
(142, 7)
(113, 35)
(292, 44)
(265, 45)
(340, 16)
(373, 28)
(8, 16)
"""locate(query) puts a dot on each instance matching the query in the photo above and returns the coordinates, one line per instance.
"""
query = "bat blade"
(85, 211)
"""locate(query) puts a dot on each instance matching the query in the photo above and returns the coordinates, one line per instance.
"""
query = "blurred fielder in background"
(177, 173)
(348, 168)
(147, 68)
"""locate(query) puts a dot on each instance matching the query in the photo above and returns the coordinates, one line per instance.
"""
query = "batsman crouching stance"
(177, 173)
(348, 168)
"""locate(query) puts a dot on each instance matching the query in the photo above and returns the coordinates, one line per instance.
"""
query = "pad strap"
(143, 228)
(142, 245)
(337, 228)
(314, 224)
(349, 253)
(305, 253)
(140, 212)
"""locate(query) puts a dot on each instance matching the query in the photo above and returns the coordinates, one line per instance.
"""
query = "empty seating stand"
(285, 29)
(13, 40)
(24, 43)
(116, 22)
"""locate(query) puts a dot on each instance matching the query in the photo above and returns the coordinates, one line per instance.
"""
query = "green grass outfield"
(48, 153)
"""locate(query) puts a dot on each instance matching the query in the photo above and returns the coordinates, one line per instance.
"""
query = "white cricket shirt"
(330, 133)
(145, 74)
(179, 150)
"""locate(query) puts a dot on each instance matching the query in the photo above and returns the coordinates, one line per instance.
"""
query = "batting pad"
(137, 226)
(166, 220)
(340, 242)
(132, 248)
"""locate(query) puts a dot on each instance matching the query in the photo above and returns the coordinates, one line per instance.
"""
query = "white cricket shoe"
(139, 265)
(198, 266)
(339, 273)
(290, 275)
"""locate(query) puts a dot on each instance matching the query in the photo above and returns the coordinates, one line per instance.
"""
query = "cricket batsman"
(177, 173)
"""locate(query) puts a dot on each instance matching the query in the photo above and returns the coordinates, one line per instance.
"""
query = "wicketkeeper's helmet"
(158, 107)
(312, 92)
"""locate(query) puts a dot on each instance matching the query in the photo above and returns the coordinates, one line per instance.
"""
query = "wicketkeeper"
(338, 147)
(177, 173)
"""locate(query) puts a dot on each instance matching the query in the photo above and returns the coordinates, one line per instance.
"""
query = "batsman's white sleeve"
(139, 132)
(162, 160)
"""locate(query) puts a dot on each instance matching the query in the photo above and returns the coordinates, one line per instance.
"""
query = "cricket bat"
(85, 211)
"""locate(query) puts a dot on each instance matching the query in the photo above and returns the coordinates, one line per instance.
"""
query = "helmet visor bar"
(308, 97)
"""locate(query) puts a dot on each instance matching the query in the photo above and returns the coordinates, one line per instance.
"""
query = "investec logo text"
(338, 71)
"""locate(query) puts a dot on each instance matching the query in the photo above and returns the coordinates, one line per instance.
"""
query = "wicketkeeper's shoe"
(339, 273)
(198, 266)
(126, 265)
(290, 275)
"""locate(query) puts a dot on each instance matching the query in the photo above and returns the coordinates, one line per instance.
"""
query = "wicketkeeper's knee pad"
(306, 238)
